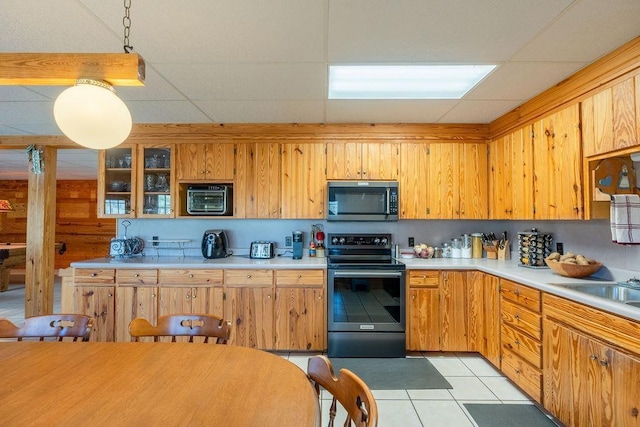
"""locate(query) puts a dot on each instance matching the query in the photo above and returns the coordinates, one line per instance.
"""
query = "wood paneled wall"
(86, 236)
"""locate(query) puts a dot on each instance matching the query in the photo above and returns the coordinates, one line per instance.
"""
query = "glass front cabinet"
(117, 182)
(156, 182)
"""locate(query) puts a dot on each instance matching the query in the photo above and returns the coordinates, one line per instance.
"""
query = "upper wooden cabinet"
(414, 173)
(200, 161)
(304, 181)
(156, 184)
(610, 118)
(363, 160)
(457, 181)
(558, 166)
(257, 180)
(117, 182)
(511, 176)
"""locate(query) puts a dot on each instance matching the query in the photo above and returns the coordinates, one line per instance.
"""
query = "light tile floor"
(474, 380)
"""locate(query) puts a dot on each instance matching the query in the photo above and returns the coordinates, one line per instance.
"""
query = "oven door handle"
(368, 273)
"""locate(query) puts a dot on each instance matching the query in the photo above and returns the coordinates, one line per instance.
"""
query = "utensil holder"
(503, 251)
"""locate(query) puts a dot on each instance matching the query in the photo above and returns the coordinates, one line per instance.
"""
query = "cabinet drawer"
(424, 278)
(93, 275)
(137, 277)
(523, 345)
(191, 277)
(248, 277)
(521, 294)
(524, 375)
(299, 277)
(521, 318)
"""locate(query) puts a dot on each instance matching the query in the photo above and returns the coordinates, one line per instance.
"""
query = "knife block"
(492, 249)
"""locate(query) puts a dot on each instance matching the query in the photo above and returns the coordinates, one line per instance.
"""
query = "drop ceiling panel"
(248, 81)
(588, 30)
(223, 31)
(263, 111)
(387, 111)
(478, 111)
(521, 80)
(20, 93)
(166, 112)
(434, 30)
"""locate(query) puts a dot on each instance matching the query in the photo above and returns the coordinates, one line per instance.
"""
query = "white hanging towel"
(625, 218)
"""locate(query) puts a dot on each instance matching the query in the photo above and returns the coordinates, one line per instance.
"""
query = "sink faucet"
(633, 283)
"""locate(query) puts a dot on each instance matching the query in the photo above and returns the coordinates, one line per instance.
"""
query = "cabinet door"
(191, 161)
(443, 182)
(156, 190)
(133, 302)
(484, 315)
(99, 303)
(117, 182)
(257, 181)
(473, 184)
(423, 319)
(453, 311)
(521, 174)
(344, 160)
(380, 160)
(220, 161)
(303, 181)
(414, 175)
(250, 311)
(626, 395)
(558, 176)
(300, 322)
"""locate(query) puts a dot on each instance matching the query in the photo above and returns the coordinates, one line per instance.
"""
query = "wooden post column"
(41, 233)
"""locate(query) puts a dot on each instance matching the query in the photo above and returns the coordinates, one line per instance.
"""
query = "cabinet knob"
(413, 297)
(593, 357)
(517, 317)
(604, 362)
(94, 274)
(268, 296)
(516, 293)
(136, 275)
(110, 295)
(518, 371)
(299, 276)
(516, 342)
(191, 276)
(248, 276)
(364, 172)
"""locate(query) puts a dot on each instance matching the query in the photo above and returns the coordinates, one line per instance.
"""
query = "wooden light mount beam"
(63, 69)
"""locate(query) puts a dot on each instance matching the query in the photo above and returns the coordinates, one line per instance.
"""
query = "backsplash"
(591, 238)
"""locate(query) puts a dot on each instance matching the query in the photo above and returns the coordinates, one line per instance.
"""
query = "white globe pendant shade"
(92, 115)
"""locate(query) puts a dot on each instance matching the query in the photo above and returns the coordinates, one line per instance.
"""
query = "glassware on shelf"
(162, 184)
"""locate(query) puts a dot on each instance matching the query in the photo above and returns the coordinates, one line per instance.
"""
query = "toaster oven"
(208, 199)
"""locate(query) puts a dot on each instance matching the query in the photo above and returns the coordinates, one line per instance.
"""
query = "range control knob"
(342, 240)
(384, 241)
(376, 241)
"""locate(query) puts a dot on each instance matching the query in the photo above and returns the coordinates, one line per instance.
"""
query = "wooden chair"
(57, 326)
(182, 325)
(348, 389)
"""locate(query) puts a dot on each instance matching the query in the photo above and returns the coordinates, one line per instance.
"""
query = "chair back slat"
(61, 327)
(182, 325)
(348, 389)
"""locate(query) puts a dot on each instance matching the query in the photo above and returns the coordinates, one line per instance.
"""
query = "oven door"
(363, 300)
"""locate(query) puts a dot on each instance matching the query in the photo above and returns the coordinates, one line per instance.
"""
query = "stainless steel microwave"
(206, 199)
(362, 201)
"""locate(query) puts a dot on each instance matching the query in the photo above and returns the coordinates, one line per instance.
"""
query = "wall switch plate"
(155, 240)
(560, 248)
(412, 242)
(287, 242)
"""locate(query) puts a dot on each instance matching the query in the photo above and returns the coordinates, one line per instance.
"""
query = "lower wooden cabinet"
(423, 310)
(591, 365)
(484, 315)
(454, 317)
(268, 309)
(521, 334)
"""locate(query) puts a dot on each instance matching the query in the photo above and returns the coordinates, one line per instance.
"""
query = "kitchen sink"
(610, 290)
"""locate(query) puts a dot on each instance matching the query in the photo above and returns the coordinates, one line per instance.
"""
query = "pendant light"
(90, 113)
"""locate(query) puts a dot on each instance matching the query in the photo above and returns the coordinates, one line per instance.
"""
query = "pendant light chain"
(126, 22)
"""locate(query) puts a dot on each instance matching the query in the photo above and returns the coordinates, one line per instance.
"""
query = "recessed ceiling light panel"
(404, 81)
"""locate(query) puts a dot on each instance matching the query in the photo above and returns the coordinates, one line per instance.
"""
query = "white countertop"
(542, 279)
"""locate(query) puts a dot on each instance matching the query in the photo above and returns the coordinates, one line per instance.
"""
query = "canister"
(466, 246)
(456, 248)
(476, 245)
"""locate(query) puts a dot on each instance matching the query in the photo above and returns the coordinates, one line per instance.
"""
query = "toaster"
(262, 249)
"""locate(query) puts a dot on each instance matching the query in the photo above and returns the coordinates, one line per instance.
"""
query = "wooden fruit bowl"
(573, 270)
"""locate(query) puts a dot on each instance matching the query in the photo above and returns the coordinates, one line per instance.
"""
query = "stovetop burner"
(361, 251)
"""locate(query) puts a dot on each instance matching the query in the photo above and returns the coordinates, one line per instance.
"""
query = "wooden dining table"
(151, 384)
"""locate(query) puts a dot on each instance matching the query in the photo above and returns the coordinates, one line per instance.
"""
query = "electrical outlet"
(155, 240)
(412, 242)
(560, 248)
(287, 242)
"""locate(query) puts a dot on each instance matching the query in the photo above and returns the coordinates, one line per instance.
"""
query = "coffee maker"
(215, 244)
(298, 244)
